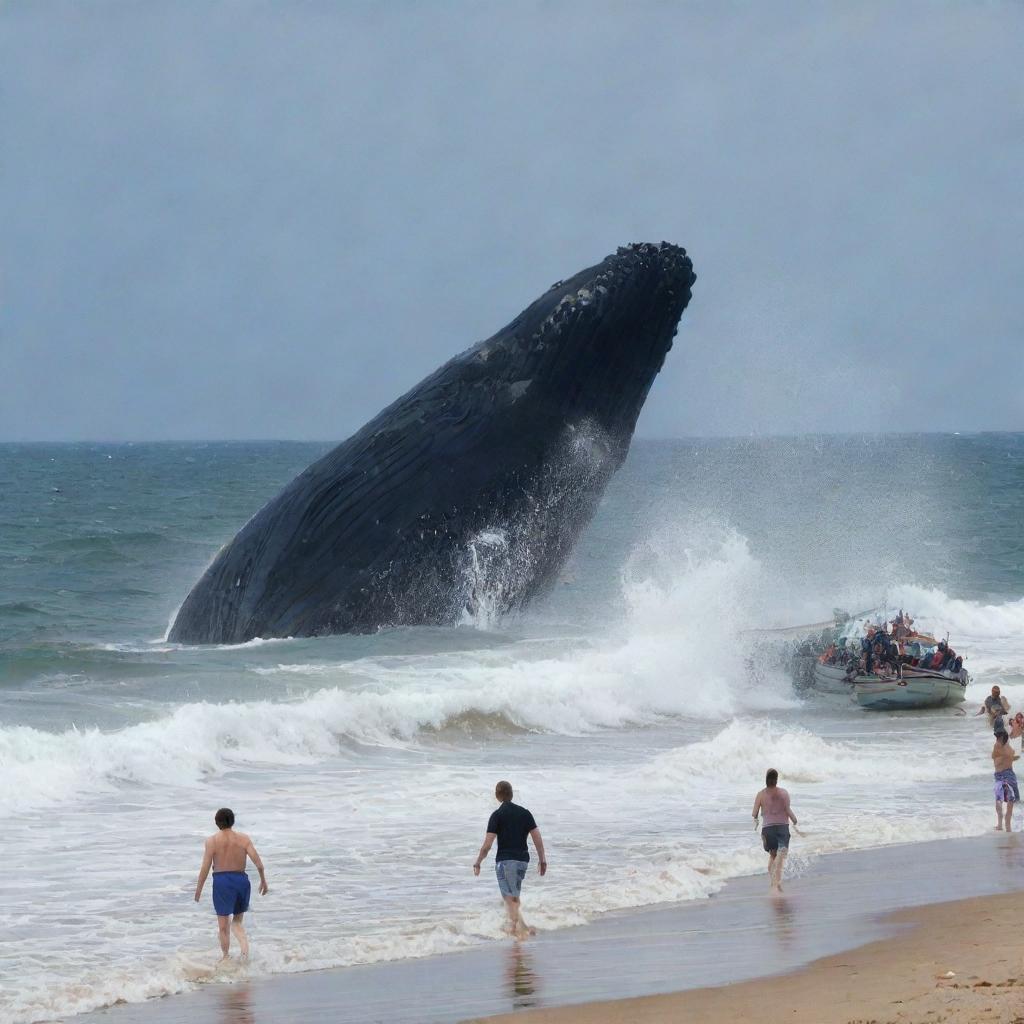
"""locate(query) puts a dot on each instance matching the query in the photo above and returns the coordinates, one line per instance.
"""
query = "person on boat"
(772, 803)
(902, 658)
(891, 657)
(938, 659)
(1006, 791)
(952, 663)
(996, 706)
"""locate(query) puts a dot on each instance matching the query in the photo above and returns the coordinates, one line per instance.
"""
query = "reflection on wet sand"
(521, 982)
(785, 920)
(236, 1005)
(1011, 852)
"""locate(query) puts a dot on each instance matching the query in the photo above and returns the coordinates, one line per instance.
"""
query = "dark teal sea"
(638, 676)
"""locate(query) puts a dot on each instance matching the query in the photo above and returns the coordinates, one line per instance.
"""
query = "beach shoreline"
(945, 964)
(739, 937)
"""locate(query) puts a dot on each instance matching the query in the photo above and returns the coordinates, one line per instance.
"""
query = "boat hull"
(831, 679)
(911, 692)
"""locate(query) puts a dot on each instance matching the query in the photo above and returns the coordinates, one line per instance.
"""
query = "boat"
(839, 669)
(832, 679)
(911, 690)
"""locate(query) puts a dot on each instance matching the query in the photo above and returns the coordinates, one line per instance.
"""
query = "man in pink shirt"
(772, 803)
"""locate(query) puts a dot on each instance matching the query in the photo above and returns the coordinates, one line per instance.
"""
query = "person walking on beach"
(226, 852)
(772, 803)
(1003, 756)
(510, 824)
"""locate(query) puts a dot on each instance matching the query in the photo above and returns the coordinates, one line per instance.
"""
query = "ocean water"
(635, 709)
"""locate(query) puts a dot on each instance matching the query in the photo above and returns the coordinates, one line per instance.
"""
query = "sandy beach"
(853, 934)
(960, 962)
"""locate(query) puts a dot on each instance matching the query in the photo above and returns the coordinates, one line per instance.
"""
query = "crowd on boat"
(886, 653)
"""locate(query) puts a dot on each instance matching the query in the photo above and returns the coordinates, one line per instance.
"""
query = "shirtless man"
(773, 803)
(226, 852)
(1003, 756)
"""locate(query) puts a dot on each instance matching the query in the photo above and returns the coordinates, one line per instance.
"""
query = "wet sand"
(838, 903)
(957, 963)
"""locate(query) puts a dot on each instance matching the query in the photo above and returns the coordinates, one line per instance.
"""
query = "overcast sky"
(267, 220)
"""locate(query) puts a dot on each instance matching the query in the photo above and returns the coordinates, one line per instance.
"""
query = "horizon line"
(752, 435)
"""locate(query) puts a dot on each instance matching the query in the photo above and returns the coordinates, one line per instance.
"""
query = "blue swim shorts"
(231, 891)
(510, 876)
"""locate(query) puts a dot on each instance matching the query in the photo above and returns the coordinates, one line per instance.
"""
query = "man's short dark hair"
(1002, 736)
(771, 777)
(503, 791)
(224, 818)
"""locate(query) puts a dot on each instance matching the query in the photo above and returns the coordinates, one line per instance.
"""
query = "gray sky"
(267, 220)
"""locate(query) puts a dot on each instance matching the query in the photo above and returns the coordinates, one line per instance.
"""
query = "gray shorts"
(510, 876)
(775, 837)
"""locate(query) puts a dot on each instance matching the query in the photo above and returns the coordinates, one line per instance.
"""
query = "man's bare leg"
(780, 864)
(517, 926)
(224, 935)
(525, 931)
(1009, 815)
(771, 868)
(238, 930)
(999, 815)
(512, 910)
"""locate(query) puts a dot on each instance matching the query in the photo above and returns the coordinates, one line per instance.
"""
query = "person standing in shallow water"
(772, 803)
(226, 852)
(1003, 756)
(510, 824)
(996, 706)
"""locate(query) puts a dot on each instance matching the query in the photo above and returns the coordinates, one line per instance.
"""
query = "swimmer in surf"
(996, 706)
(772, 803)
(226, 852)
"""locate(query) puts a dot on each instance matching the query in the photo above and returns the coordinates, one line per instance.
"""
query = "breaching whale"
(469, 490)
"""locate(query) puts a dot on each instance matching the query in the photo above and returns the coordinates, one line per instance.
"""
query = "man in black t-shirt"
(510, 824)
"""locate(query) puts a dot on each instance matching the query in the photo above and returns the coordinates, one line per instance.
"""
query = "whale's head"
(590, 347)
(470, 489)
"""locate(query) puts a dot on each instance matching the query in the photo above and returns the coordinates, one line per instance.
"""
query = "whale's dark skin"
(473, 487)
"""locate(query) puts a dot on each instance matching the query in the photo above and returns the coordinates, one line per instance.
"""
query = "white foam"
(803, 757)
(681, 655)
(678, 658)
